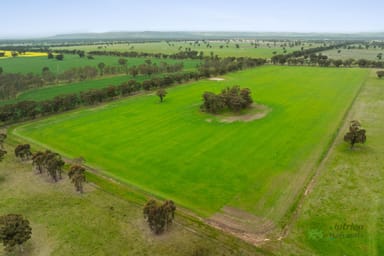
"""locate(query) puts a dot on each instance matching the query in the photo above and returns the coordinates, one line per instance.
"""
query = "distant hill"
(180, 35)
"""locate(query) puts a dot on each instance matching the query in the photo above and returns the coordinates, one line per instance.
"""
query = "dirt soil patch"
(216, 79)
(244, 225)
(256, 111)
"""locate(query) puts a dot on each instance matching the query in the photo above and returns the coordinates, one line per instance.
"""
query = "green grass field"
(171, 150)
(369, 54)
(36, 64)
(348, 190)
(264, 50)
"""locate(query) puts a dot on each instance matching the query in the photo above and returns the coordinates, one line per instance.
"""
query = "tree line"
(323, 61)
(186, 54)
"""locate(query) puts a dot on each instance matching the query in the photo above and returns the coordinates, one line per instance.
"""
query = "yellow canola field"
(8, 54)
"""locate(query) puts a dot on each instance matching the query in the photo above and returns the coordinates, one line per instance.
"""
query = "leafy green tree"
(123, 62)
(38, 161)
(161, 93)
(14, 231)
(53, 164)
(355, 134)
(60, 56)
(23, 151)
(50, 55)
(159, 217)
(101, 67)
(77, 177)
(380, 73)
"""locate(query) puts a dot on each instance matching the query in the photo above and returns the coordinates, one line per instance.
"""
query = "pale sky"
(34, 18)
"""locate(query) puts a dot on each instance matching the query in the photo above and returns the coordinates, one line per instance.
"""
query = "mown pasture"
(172, 151)
(343, 54)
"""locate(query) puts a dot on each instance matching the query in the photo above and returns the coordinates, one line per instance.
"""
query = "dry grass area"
(95, 223)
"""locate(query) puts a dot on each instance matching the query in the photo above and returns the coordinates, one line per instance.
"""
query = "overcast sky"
(27, 18)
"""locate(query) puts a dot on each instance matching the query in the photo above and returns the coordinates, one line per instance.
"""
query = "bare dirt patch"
(243, 225)
(255, 112)
(216, 79)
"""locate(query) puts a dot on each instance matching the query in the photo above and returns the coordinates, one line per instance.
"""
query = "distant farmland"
(225, 48)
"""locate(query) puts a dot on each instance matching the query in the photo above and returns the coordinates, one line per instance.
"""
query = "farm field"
(96, 223)
(36, 64)
(8, 54)
(173, 151)
(343, 213)
(264, 49)
(369, 54)
(49, 92)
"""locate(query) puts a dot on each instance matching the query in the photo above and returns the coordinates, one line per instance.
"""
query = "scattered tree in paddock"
(3, 136)
(53, 164)
(60, 56)
(38, 161)
(380, 73)
(50, 55)
(77, 176)
(161, 93)
(14, 231)
(355, 134)
(23, 151)
(123, 62)
(101, 67)
(159, 217)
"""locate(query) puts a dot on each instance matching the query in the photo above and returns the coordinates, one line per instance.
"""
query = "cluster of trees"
(187, 54)
(15, 230)
(77, 74)
(219, 66)
(355, 134)
(48, 162)
(77, 176)
(231, 98)
(147, 68)
(159, 217)
(11, 84)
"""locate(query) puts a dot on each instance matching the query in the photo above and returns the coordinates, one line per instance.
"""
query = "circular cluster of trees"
(231, 98)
